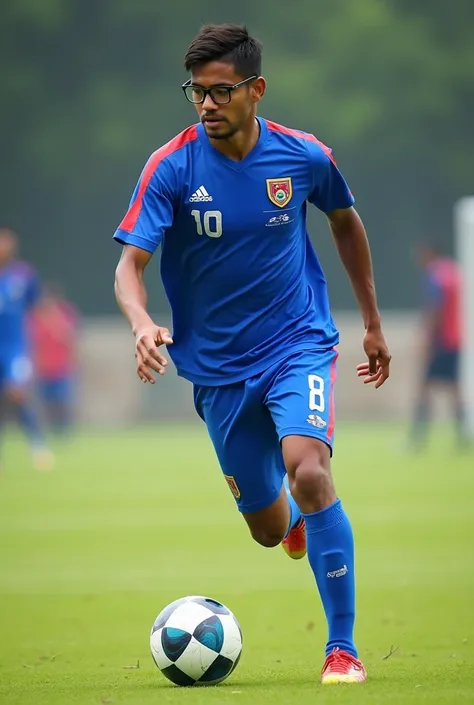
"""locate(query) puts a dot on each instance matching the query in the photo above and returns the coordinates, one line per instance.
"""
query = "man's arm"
(130, 290)
(354, 250)
(131, 296)
(353, 247)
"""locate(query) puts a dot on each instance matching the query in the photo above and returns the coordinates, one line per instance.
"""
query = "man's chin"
(218, 131)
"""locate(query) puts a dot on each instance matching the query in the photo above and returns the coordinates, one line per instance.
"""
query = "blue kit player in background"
(226, 201)
(19, 293)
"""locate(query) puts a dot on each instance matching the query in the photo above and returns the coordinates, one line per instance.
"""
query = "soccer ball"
(196, 641)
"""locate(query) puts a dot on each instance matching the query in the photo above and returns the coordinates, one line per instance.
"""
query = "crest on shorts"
(280, 191)
(232, 486)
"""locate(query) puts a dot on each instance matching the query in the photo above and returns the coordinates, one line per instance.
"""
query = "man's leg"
(17, 390)
(329, 538)
(454, 388)
(421, 417)
(301, 400)
(57, 395)
(460, 423)
(246, 444)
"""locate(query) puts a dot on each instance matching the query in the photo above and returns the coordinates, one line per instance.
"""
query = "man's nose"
(208, 103)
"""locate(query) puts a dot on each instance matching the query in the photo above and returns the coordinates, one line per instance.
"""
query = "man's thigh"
(300, 396)
(16, 374)
(245, 440)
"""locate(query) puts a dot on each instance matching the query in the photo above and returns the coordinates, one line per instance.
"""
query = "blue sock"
(331, 557)
(29, 422)
(295, 513)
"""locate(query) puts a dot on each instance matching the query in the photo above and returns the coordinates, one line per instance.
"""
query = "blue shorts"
(57, 391)
(247, 421)
(16, 369)
(443, 366)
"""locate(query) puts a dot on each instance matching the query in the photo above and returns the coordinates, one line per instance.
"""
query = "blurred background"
(136, 513)
(89, 89)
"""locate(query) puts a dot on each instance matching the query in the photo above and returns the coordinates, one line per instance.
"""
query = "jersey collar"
(247, 160)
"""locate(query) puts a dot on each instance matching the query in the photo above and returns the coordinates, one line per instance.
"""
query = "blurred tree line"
(90, 88)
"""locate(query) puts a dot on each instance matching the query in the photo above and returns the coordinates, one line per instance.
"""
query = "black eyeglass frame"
(208, 91)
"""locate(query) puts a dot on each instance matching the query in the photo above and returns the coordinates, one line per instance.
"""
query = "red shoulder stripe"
(188, 135)
(302, 136)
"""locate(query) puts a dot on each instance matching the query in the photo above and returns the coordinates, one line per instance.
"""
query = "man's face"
(424, 255)
(7, 246)
(221, 121)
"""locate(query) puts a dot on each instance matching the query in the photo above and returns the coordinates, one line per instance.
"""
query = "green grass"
(127, 522)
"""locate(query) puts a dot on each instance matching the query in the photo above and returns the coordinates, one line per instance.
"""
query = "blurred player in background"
(19, 294)
(226, 200)
(441, 340)
(53, 327)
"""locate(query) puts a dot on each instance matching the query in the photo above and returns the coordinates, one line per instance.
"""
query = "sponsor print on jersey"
(280, 191)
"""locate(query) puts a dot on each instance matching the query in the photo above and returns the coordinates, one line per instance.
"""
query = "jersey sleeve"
(151, 209)
(432, 293)
(329, 190)
(33, 291)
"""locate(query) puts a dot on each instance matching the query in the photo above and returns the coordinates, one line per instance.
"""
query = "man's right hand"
(147, 342)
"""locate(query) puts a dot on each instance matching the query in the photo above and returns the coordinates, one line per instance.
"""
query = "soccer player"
(226, 199)
(53, 329)
(19, 293)
(441, 340)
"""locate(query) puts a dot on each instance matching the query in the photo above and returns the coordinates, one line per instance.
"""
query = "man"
(53, 333)
(19, 293)
(226, 199)
(441, 340)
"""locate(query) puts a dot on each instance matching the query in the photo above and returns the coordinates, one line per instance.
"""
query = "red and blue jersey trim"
(275, 127)
(185, 137)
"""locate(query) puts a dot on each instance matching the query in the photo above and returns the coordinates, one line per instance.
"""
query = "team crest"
(280, 191)
(232, 486)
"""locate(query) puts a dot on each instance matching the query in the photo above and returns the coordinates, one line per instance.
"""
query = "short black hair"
(230, 43)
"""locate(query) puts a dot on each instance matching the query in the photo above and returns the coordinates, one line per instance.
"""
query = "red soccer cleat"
(341, 667)
(295, 543)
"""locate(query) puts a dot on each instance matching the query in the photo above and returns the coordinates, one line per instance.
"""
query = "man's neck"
(239, 145)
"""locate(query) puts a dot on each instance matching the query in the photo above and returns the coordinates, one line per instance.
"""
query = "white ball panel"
(232, 645)
(196, 659)
(159, 656)
(187, 616)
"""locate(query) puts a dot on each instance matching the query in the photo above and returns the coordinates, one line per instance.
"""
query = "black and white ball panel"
(196, 640)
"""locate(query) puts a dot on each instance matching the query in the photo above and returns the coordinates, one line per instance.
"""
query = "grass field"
(91, 552)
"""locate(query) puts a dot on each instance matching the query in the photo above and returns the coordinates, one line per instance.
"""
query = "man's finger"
(156, 355)
(372, 364)
(385, 374)
(372, 378)
(145, 374)
(153, 363)
(163, 337)
(147, 349)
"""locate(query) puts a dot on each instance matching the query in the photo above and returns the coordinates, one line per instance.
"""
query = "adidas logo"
(200, 195)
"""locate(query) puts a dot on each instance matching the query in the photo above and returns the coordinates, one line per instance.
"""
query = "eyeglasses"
(219, 94)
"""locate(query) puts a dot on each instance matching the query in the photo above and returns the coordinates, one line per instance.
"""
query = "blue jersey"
(244, 283)
(19, 291)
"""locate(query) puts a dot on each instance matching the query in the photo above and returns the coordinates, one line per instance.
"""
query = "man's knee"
(308, 464)
(15, 395)
(269, 526)
(310, 477)
(269, 538)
